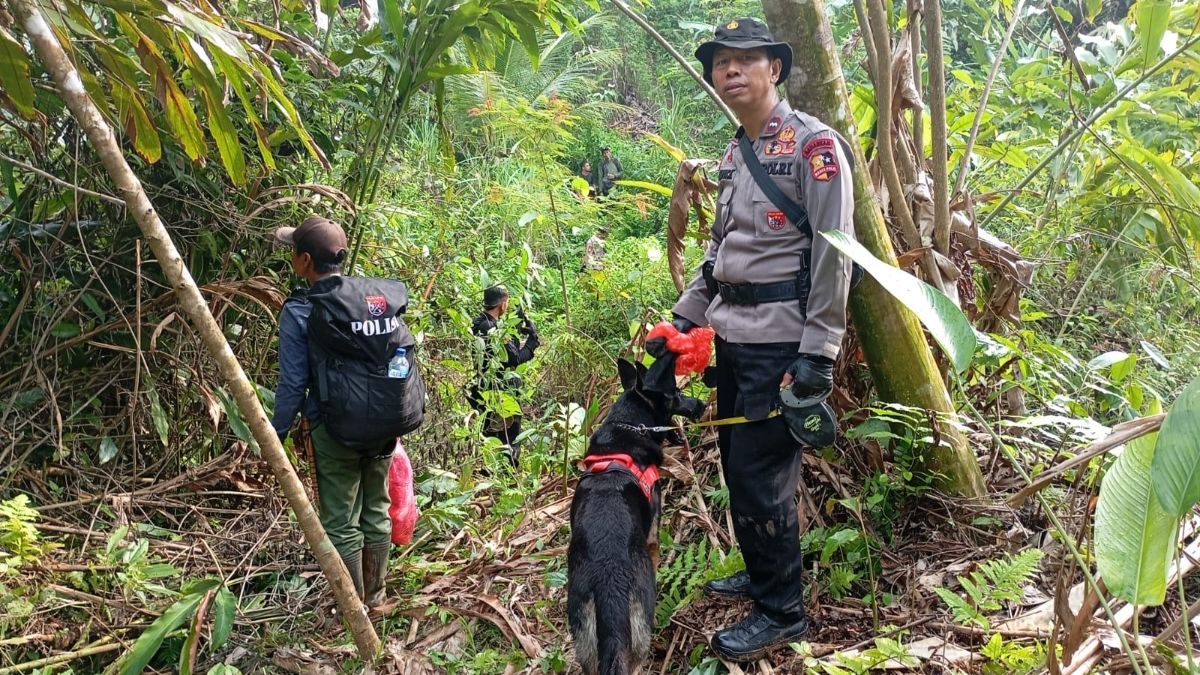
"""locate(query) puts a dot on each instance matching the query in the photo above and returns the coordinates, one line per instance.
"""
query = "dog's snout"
(692, 408)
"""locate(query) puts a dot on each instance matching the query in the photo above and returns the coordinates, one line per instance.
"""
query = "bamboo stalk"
(61, 658)
(194, 306)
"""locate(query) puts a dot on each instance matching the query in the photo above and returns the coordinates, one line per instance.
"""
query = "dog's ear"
(630, 377)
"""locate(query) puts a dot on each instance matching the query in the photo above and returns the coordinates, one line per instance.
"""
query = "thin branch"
(687, 66)
(877, 16)
(58, 181)
(938, 164)
(964, 163)
(864, 24)
(1080, 130)
(914, 36)
(1069, 51)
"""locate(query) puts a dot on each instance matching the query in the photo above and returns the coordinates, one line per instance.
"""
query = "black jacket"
(515, 353)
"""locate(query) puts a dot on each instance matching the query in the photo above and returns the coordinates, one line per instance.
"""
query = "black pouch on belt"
(710, 284)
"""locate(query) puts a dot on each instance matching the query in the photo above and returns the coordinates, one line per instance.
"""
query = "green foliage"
(136, 574)
(123, 52)
(1135, 536)
(886, 652)
(148, 643)
(681, 580)
(1011, 657)
(19, 539)
(995, 581)
(1174, 470)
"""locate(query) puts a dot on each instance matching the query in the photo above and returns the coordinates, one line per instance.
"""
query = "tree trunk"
(196, 308)
(897, 353)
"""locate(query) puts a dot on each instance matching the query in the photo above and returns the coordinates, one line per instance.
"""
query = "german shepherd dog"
(613, 553)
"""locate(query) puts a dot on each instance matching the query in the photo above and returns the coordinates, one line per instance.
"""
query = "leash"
(722, 422)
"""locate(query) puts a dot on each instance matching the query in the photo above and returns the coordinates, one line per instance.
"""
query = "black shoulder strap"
(791, 209)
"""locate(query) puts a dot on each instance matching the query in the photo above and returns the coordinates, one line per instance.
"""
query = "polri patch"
(729, 153)
(776, 220)
(788, 134)
(773, 125)
(824, 166)
(778, 168)
(817, 145)
(376, 304)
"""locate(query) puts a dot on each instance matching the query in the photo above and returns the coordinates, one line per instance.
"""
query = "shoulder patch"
(822, 164)
(376, 304)
(817, 145)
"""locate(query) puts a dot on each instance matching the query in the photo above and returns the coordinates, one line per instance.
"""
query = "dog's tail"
(614, 634)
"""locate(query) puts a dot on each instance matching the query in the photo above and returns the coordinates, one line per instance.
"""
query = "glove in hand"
(812, 375)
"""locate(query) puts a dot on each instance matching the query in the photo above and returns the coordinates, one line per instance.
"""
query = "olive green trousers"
(353, 494)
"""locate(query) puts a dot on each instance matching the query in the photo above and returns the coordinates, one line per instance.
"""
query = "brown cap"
(319, 237)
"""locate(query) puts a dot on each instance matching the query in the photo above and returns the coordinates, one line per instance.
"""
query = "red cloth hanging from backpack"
(403, 510)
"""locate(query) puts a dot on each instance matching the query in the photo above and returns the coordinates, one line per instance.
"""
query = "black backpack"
(353, 331)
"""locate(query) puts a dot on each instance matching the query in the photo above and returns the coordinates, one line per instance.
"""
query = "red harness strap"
(646, 478)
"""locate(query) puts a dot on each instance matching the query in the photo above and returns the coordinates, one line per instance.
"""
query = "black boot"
(736, 585)
(375, 560)
(751, 637)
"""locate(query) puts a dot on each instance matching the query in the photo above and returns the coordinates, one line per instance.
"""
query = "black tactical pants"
(761, 462)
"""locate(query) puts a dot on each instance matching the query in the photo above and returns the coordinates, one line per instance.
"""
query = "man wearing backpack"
(342, 349)
(776, 295)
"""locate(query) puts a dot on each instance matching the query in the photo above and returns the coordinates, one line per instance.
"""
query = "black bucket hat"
(744, 34)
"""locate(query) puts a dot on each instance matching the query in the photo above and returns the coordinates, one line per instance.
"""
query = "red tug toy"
(693, 347)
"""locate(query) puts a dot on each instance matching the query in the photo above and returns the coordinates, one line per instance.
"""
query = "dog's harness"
(646, 478)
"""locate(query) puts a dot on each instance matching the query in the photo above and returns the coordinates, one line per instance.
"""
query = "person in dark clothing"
(586, 173)
(610, 171)
(496, 371)
(352, 487)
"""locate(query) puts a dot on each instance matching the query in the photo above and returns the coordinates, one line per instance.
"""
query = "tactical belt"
(755, 294)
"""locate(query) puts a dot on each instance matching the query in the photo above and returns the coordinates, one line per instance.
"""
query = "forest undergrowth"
(140, 529)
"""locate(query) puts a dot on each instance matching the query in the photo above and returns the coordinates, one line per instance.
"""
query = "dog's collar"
(646, 478)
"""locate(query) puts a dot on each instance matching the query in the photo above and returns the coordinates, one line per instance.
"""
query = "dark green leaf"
(158, 415)
(224, 609)
(138, 657)
(1152, 18)
(1135, 537)
(65, 329)
(14, 74)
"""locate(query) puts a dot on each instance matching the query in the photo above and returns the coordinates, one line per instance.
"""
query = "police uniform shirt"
(753, 241)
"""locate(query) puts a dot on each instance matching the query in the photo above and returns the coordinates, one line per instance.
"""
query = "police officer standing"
(776, 297)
